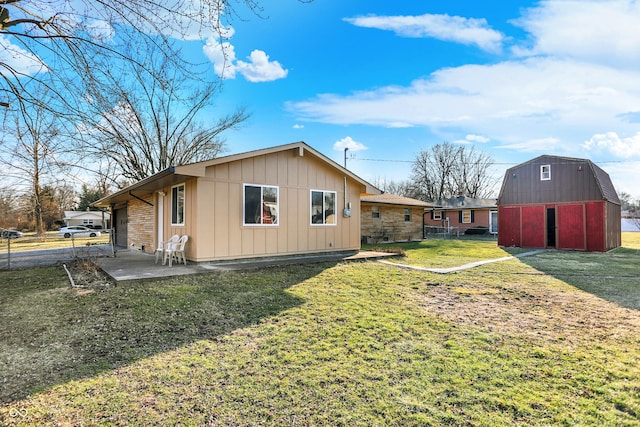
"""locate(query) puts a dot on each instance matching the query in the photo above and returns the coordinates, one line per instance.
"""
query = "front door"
(551, 227)
(120, 223)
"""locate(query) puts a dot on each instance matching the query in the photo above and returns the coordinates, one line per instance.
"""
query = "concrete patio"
(132, 265)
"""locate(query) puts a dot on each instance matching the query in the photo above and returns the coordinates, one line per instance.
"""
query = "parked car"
(10, 234)
(78, 231)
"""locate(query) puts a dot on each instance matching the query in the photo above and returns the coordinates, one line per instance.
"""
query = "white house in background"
(91, 219)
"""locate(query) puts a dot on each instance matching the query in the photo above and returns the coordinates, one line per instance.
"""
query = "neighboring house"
(559, 202)
(279, 201)
(462, 213)
(91, 219)
(387, 217)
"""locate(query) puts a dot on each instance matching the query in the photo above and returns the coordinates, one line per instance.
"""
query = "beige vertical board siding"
(219, 221)
(215, 207)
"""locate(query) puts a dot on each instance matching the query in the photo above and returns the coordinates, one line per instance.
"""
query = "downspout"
(346, 212)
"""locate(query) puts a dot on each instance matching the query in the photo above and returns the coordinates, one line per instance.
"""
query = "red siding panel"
(595, 226)
(570, 225)
(533, 228)
(509, 226)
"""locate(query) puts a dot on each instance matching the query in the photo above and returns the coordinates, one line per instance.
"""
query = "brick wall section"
(391, 225)
(480, 218)
(141, 224)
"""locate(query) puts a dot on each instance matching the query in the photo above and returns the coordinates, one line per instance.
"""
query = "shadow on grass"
(614, 276)
(51, 334)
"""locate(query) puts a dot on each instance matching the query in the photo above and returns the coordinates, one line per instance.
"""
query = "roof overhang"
(178, 174)
(160, 180)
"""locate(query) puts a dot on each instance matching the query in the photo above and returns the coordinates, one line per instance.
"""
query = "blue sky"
(515, 79)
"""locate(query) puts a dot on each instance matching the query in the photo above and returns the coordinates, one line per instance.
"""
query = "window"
(545, 172)
(437, 215)
(323, 207)
(466, 216)
(177, 205)
(260, 205)
(375, 212)
(87, 222)
(407, 215)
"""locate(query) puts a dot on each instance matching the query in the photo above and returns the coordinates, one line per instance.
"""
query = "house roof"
(602, 178)
(393, 199)
(85, 214)
(464, 202)
(177, 174)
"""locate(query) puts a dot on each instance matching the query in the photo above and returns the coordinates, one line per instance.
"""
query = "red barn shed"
(559, 202)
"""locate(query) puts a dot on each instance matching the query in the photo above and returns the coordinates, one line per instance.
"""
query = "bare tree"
(405, 188)
(150, 119)
(62, 38)
(446, 170)
(34, 153)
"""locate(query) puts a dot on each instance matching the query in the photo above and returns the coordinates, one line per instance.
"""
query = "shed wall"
(570, 181)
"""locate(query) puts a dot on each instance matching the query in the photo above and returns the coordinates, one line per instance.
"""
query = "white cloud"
(477, 138)
(348, 142)
(101, 30)
(298, 126)
(467, 31)
(611, 142)
(18, 59)
(512, 101)
(258, 69)
(222, 55)
(470, 139)
(589, 30)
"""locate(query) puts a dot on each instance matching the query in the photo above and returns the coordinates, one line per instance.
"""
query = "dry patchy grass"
(507, 344)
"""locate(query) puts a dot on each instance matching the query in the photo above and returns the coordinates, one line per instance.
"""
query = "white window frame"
(437, 215)
(491, 222)
(465, 217)
(407, 213)
(545, 172)
(174, 194)
(244, 211)
(324, 208)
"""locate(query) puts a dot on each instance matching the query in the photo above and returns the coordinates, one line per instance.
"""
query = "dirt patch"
(86, 274)
(549, 316)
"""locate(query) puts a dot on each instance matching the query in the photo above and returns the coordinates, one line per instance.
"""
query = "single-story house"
(388, 217)
(559, 202)
(92, 219)
(462, 213)
(279, 201)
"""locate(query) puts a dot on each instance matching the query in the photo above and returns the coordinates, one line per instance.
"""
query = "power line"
(492, 163)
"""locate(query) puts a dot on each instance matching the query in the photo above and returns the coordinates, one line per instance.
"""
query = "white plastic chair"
(176, 250)
(163, 245)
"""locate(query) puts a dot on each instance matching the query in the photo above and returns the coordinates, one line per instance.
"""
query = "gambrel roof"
(571, 179)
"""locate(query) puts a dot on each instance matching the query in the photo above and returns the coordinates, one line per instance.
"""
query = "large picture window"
(323, 207)
(260, 205)
(177, 205)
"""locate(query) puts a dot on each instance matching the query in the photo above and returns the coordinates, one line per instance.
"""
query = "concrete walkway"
(462, 267)
(132, 265)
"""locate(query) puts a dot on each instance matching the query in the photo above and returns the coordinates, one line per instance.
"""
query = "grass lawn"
(551, 339)
(51, 240)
